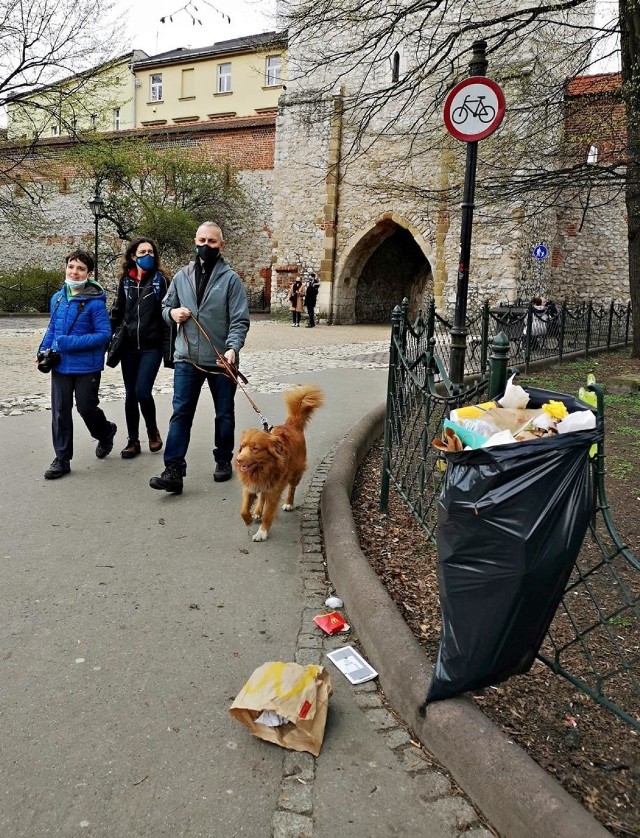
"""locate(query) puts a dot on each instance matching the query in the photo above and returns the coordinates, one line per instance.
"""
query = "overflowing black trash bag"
(511, 522)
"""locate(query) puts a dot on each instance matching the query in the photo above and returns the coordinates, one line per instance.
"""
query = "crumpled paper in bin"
(298, 694)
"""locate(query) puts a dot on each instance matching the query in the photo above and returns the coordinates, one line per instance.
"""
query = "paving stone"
(455, 810)
(381, 719)
(479, 832)
(367, 699)
(367, 687)
(289, 825)
(433, 784)
(413, 760)
(396, 738)
(295, 796)
(310, 641)
(299, 764)
(306, 656)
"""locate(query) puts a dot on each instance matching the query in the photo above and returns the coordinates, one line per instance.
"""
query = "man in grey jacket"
(209, 290)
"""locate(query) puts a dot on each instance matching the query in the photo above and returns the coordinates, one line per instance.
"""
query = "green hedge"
(28, 290)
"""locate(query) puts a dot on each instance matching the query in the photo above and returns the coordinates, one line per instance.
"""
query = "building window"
(224, 78)
(116, 119)
(155, 89)
(395, 67)
(187, 87)
(55, 130)
(273, 69)
(94, 121)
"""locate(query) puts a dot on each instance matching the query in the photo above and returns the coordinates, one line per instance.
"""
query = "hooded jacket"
(79, 329)
(223, 313)
(139, 305)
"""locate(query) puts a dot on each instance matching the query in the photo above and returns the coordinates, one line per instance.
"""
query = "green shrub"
(28, 290)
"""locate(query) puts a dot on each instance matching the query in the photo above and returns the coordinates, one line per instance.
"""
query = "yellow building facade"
(236, 78)
(101, 99)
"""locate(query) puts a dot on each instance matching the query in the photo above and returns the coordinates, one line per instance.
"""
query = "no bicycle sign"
(474, 109)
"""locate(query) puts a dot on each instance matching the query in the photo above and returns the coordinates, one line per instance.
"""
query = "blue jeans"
(187, 384)
(139, 370)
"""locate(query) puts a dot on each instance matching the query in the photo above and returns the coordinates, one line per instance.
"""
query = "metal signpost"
(473, 110)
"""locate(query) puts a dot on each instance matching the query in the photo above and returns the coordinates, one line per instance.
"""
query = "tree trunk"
(630, 48)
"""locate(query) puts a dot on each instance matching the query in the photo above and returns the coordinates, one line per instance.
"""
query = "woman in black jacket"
(141, 289)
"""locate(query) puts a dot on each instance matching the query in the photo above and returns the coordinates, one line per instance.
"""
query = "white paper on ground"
(352, 665)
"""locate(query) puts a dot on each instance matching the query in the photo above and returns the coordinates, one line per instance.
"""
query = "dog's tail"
(301, 403)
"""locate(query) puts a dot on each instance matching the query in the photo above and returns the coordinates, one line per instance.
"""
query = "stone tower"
(367, 182)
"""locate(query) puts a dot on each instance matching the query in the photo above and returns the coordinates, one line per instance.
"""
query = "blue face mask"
(72, 283)
(146, 262)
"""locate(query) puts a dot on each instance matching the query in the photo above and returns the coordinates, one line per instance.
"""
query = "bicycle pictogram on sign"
(485, 113)
(474, 108)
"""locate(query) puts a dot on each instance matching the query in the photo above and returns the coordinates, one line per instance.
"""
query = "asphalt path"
(131, 619)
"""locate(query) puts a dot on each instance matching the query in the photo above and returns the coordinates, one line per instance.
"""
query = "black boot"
(169, 481)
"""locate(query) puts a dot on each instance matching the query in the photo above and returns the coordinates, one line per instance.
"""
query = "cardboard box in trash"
(286, 704)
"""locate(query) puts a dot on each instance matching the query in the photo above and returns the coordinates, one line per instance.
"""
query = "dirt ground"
(592, 753)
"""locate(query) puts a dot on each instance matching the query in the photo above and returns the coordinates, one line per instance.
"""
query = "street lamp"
(95, 205)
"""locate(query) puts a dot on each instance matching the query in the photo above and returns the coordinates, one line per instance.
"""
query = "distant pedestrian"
(296, 301)
(538, 322)
(138, 304)
(310, 299)
(73, 346)
(551, 312)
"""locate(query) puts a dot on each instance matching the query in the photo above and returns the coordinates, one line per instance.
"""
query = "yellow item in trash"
(471, 411)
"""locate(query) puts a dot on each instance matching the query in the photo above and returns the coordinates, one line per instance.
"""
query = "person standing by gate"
(208, 302)
(310, 299)
(138, 305)
(72, 349)
(296, 301)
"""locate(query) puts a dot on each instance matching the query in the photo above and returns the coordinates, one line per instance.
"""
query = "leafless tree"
(41, 43)
(393, 64)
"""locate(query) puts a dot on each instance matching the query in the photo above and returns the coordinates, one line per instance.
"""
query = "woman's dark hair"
(129, 262)
(536, 301)
(81, 256)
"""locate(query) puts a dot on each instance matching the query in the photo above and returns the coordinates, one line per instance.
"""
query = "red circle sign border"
(472, 138)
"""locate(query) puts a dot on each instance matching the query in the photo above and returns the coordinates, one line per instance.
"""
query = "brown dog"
(267, 462)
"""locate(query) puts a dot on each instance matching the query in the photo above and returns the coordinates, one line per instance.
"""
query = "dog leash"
(228, 369)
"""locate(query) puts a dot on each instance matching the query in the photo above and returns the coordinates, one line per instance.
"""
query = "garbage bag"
(511, 521)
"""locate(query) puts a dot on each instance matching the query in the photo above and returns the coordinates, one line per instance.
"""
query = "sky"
(145, 31)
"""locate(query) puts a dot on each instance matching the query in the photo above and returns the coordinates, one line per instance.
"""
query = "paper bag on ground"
(299, 694)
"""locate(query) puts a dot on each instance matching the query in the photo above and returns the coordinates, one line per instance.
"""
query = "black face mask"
(209, 255)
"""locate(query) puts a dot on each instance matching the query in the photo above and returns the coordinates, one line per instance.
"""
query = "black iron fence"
(534, 334)
(598, 621)
(23, 298)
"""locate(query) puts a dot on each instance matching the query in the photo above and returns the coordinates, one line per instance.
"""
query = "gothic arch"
(381, 264)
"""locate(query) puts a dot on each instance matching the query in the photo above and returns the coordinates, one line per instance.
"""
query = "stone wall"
(65, 221)
(351, 177)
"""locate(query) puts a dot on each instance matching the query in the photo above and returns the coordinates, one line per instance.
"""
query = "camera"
(48, 359)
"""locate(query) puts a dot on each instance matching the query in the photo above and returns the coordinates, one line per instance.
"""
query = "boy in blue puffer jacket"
(78, 333)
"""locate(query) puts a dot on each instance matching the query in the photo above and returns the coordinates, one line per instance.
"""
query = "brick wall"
(246, 144)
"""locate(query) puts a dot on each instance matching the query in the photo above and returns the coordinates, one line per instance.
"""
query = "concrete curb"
(517, 796)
